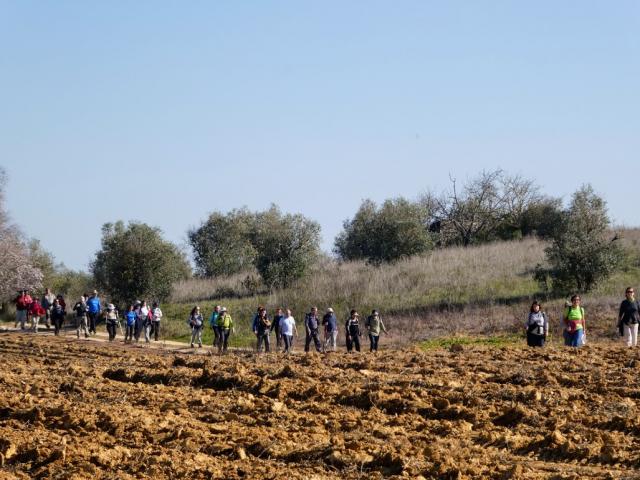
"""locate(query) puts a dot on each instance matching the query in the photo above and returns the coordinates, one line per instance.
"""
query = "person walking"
(47, 304)
(536, 326)
(330, 323)
(225, 322)
(36, 312)
(57, 316)
(311, 324)
(111, 317)
(352, 330)
(156, 317)
(23, 301)
(81, 308)
(213, 323)
(574, 323)
(261, 329)
(374, 325)
(629, 317)
(94, 309)
(132, 319)
(288, 330)
(276, 326)
(196, 322)
(147, 324)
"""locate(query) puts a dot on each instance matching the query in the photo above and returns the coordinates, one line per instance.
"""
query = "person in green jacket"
(225, 323)
(374, 324)
(574, 323)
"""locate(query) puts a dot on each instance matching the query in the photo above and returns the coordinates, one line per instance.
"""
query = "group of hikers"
(140, 318)
(88, 311)
(574, 322)
(283, 325)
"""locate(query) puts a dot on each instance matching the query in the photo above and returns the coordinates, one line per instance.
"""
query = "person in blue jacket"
(131, 317)
(93, 311)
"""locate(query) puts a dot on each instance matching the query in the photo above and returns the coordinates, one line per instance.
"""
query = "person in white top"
(156, 316)
(288, 330)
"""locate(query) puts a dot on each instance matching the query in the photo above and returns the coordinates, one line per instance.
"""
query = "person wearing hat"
(352, 330)
(112, 321)
(23, 302)
(225, 322)
(374, 325)
(196, 322)
(93, 311)
(330, 323)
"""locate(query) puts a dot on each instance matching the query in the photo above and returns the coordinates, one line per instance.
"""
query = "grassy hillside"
(482, 290)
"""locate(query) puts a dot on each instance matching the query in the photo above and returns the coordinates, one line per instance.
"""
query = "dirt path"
(75, 409)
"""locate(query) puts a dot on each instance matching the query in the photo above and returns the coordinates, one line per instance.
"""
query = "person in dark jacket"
(330, 323)
(352, 331)
(261, 329)
(536, 326)
(629, 318)
(311, 325)
(277, 327)
(57, 316)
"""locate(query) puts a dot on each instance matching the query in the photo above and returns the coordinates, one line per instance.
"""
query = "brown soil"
(81, 410)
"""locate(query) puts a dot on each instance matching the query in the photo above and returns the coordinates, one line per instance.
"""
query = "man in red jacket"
(23, 302)
(36, 312)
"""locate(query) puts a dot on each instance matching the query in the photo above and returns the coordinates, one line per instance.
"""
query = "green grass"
(492, 341)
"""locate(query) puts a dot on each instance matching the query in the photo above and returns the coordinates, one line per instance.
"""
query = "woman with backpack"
(225, 322)
(573, 320)
(629, 317)
(352, 330)
(196, 321)
(536, 326)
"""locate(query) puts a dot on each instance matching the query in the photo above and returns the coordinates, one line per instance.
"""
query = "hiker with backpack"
(111, 317)
(132, 318)
(196, 323)
(94, 308)
(225, 322)
(156, 317)
(629, 318)
(374, 325)
(276, 326)
(536, 326)
(573, 319)
(58, 313)
(261, 329)
(23, 302)
(352, 330)
(81, 309)
(330, 323)
(311, 324)
(47, 304)
(36, 312)
(288, 329)
(213, 323)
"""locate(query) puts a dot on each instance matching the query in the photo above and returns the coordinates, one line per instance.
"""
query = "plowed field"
(73, 409)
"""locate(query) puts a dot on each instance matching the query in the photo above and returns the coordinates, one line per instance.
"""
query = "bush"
(136, 262)
(582, 252)
(398, 229)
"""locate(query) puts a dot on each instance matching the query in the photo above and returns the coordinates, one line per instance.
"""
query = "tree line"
(134, 260)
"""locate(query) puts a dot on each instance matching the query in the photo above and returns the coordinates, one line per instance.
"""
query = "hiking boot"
(192, 346)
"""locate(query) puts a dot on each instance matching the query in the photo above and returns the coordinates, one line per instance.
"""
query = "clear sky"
(163, 111)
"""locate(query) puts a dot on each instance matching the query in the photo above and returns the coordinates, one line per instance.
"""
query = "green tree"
(135, 262)
(222, 244)
(582, 250)
(286, 246)
(399, 228)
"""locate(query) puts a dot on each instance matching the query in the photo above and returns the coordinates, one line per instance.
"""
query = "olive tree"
(136, 262)
(583, 251)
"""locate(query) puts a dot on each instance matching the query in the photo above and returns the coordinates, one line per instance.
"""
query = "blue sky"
(165, 111)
